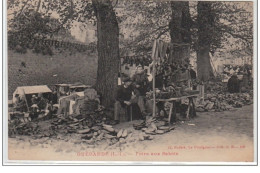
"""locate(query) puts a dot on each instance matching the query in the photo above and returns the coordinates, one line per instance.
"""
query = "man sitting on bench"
(126, 98)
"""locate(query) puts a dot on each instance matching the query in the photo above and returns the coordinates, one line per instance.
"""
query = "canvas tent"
(30, 90)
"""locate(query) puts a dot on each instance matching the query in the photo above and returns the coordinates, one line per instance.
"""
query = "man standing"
(42, 102)
(124, 95)
(233, 84)
(140, 81)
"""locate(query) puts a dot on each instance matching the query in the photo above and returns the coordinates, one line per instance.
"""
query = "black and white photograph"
(140, 81)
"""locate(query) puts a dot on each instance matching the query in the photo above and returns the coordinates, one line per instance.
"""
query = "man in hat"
(124, 95)
(141, 83)
(140, 80)
(124, 92)
(34, 106)
(34, 99)
(42, 102)
(233, 84)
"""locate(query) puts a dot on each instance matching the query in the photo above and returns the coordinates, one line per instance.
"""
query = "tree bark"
(180, 23)
(180, 33)
(108, 51)
(205, 30)
(204, 68)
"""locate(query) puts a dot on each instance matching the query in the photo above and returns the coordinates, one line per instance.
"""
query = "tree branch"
(38, 6)
(23, 8)
(247, 39)
(71, 11)
(115, 4)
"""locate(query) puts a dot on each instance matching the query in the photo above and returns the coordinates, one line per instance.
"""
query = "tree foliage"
(42, 19)
(31, 18)
(236, 25)
(212, 26)
(231, 24)
(146, 21)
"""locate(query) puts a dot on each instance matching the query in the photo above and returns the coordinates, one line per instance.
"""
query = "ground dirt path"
(211, 136)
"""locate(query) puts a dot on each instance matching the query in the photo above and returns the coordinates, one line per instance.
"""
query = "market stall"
(29, 91)
(171, 61)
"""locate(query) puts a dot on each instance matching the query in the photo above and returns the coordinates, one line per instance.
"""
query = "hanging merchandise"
(136, 60)
(171, 64)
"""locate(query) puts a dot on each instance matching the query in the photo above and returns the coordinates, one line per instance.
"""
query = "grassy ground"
(41, 70)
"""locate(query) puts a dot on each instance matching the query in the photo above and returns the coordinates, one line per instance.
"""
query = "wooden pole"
(154, 56)
(170, 113)
(25, 100)
(203, 92)
(154, 94)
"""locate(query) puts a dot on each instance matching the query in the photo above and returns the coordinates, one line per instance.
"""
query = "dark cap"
(126, 79)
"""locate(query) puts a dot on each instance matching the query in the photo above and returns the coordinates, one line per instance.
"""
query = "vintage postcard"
(130, 82)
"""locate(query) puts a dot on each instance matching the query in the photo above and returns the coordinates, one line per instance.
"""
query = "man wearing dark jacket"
(233, 84)
(127, 96)
(123, 98)
(140, 81)
(124, 93)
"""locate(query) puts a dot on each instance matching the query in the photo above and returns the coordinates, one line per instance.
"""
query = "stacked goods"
(171, 92)
(216, 87)
(167, 93)
(153, 126)
(93, 133)
(65, 125)
(56, 125)
(86, 104)
(92, 130)
(226, 101)
(23, 124)
(16, 127)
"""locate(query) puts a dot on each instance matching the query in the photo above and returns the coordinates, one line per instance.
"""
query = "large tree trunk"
(205, 28)
(108, 51)
(180, 22)
(180, 25)
(204, 68)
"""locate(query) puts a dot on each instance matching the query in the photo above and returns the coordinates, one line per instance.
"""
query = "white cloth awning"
(31, 90)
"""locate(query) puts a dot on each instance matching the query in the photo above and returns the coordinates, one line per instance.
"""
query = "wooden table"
(191, 105)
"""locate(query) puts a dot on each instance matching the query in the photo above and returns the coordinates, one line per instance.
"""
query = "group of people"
(229, 69)
(132, 93)
(236, 85)
(39, 101)
(37, 104)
